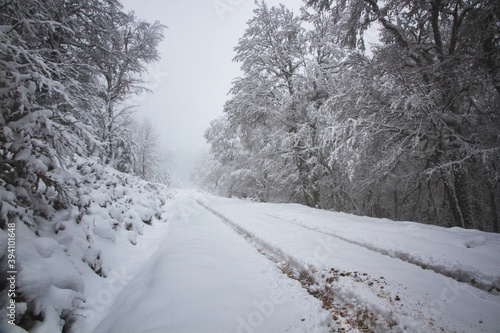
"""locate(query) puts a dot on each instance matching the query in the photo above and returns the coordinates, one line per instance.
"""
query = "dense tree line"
(408, 131)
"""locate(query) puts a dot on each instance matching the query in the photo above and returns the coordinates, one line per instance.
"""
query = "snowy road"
(219, 266)
(352, 267)
(205, 278)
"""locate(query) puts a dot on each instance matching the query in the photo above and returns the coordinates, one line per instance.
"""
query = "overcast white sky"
(191, 81)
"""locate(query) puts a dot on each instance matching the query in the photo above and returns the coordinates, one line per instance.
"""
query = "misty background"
(191, 81)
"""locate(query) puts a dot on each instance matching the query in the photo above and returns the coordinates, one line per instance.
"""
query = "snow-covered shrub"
(55, 250)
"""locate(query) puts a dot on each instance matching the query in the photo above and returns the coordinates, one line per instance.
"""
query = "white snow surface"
(377, 265)
(201, 263)
(204, 277)
(204, 271)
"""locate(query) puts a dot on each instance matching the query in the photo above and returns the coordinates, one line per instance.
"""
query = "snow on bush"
(57, 246)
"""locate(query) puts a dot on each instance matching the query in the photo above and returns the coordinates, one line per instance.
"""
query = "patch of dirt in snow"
(365, 321)
(345, 314)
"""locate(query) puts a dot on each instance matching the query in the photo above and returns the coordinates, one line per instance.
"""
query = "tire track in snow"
(361, 322)
(274, 253)
(459, 276)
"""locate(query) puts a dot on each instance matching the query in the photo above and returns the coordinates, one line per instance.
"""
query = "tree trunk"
(463, 196)
(144, 163)
(109, 134)
(453, 201)
(456, 189)
(396, 204)
(494, 210)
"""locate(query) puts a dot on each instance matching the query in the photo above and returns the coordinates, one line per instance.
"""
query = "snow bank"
(64, 254)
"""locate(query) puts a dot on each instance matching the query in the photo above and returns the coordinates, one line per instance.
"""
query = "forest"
(405, 126)
(381, 109)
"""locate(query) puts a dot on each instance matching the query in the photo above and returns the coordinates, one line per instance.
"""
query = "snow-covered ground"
(205, 278)
(376, 266)
(212, 264)
(229, 265)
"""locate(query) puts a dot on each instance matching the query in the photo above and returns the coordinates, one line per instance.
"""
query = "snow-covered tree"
(408, 132)
(417, 122)
(121, 49)
(43, 100)
(269, 127)
(50, 94)
(150, 163)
